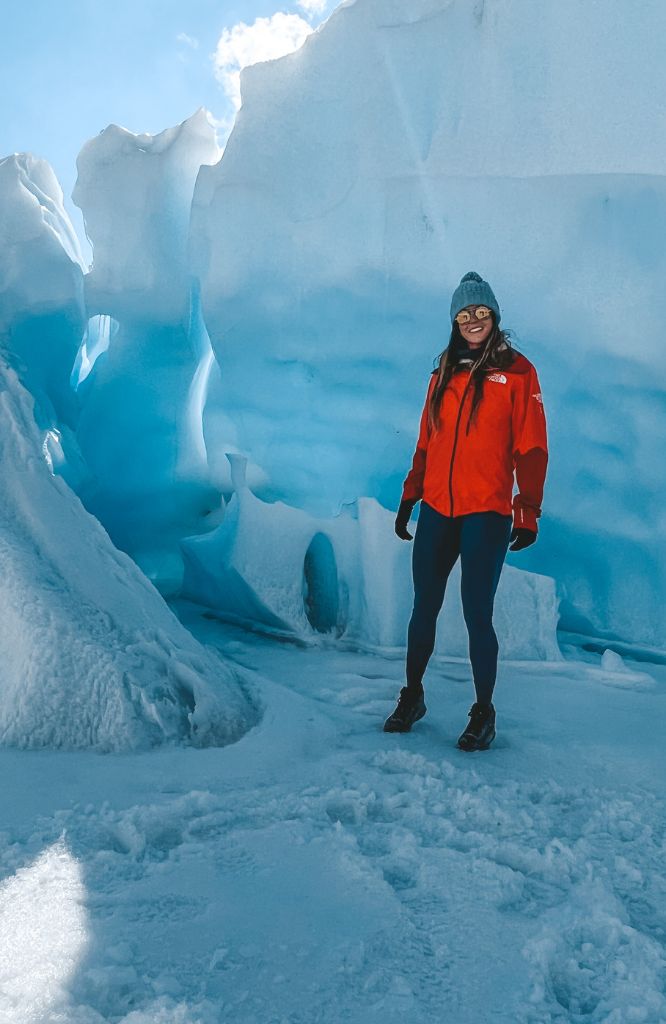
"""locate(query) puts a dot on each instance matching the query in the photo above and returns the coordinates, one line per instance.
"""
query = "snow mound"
(614, 672)
(91, 655)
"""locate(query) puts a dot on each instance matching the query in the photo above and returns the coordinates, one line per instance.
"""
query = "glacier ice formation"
(286, 302)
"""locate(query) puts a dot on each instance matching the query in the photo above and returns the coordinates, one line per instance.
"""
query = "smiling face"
(476, 332)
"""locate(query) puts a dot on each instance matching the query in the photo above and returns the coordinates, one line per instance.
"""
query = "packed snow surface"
(322, 870)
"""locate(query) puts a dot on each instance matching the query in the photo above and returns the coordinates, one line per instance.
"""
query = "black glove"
(402, 518)
(521, 538)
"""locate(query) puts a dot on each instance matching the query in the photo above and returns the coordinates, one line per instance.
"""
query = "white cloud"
(265, 39)
(183, 37)
(312, 6)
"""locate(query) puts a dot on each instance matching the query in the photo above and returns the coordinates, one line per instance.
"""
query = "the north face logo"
(499, 378)
(538, 397)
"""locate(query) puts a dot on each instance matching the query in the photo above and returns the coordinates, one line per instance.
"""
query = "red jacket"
(457, 471)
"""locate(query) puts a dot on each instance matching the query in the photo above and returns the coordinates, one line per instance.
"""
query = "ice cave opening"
(321, 592)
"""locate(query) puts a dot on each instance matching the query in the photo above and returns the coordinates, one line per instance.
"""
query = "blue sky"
(69, 70)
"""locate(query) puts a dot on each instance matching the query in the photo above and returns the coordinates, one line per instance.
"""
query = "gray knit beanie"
(474, 291)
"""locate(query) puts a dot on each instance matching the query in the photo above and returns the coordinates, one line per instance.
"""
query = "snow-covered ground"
(319, 870)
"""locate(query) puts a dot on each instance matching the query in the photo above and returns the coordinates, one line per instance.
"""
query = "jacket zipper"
(455, 443)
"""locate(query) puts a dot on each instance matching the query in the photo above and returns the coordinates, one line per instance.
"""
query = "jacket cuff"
(524, 517)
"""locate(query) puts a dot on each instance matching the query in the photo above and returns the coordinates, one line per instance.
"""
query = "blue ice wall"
(403, 145)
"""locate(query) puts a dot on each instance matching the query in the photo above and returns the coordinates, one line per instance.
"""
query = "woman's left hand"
(521, 538)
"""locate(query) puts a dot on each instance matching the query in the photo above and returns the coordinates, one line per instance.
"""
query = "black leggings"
(481, 539)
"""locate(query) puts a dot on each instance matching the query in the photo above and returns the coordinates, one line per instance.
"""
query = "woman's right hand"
(402, 518)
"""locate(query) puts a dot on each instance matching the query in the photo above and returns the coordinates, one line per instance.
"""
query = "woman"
(483, 419)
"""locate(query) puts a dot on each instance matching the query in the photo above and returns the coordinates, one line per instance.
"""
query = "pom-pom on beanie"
(474, 291)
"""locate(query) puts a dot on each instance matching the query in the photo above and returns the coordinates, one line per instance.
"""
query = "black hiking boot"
(480, 732)
(410, 707)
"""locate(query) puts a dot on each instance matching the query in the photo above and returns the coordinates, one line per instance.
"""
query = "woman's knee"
(478, 618)
(425, 614)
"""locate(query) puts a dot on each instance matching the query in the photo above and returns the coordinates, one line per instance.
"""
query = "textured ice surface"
(91, 656)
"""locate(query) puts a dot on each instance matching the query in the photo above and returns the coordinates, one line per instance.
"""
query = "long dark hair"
(496, 354)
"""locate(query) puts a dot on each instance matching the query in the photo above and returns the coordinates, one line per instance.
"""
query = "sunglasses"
(480, 313)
